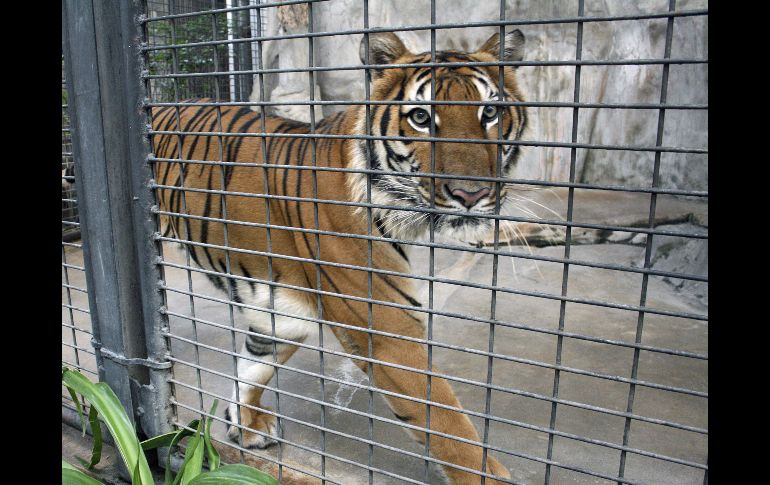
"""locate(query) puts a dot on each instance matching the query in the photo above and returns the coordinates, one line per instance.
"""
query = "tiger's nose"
(469, 199)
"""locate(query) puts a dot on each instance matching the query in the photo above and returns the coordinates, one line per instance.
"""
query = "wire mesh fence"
(77, 351)
(485, 226)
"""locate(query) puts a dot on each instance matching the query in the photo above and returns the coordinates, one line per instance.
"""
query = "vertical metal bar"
(69, 310)
(650, 224)
(270, 276)
(103, 68)
(369, 315)
(431, 232)
(317, 257)
(496, 244)
(243, 50)
(226, 240)
(230, 49)
(155, 398)
(179, 138)
(103, 197)
(567, 238)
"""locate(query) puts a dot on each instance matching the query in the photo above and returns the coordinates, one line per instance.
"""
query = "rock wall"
(621, 40)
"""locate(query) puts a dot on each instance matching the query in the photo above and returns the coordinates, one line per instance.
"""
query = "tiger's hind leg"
(255, 369)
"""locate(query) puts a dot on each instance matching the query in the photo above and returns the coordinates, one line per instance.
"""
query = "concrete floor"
(519, 274)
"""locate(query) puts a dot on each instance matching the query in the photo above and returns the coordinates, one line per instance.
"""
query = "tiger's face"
(463, 166)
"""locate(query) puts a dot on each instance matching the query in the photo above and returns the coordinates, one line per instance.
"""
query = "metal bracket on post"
(101, 43)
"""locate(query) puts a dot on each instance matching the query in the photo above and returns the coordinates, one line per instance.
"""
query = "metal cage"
(574, 333)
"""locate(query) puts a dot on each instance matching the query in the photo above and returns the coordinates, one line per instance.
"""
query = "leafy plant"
(106, 407)
(196, 59)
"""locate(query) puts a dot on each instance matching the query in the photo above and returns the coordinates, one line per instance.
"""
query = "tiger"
(309, 217)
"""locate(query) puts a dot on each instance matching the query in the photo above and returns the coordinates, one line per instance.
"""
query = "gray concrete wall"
(623, 40)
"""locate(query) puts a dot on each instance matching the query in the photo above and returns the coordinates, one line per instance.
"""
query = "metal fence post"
(101, 42)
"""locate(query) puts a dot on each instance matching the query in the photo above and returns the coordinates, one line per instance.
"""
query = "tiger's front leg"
(256, 366)
(414, 384)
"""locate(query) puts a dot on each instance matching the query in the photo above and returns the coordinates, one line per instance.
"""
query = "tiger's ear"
(384, 48)
(513, 49)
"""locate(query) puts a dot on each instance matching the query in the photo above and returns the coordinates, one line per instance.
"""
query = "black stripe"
(194, 119)
(310, 251)
(403, 418)
(288, 144)
(238, 115)
(205, 224)
(259, 346)
(232, 284)
(197, 138)
(244, 128)
(216, 281)
(208, 140)
(246, 273)
(423, 73)
(401, 292)
(380, 226)
(165, 140)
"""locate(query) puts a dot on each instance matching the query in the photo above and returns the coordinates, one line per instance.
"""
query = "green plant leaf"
(136, 478)
(168, 439)
(96, 430)
(81, 415)
(213, 454)
(193, 458)
(72, 476)
(237, 474)
(108, 405)
(192, 445)
(178, 437)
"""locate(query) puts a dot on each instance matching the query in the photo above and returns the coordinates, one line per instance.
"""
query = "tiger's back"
(230, 180)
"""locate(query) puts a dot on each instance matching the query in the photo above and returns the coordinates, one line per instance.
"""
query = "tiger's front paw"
(266, 426)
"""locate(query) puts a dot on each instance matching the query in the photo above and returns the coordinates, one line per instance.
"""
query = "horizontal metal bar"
(72, 266)
(80, 367)
(323, 453)
(72, 245)
(231, 444)
(79, 349)
(256, 6)
(83, 310)
(507, 180)
(534, 294)
(432, 404)
(76, 328)
(532, 104)
(434, 343)
(519, 360)
(401, 424)
(469, 249)
(648, 348)
(363, 67)
(577, 336)
(481, 215)
(292, 443)
(76, 288)
(434, 26)
(629, 148)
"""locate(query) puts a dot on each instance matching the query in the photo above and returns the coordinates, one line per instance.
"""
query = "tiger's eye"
(420, 117)
(489, 113)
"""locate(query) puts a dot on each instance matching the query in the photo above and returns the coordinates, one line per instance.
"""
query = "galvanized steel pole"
(101, 44)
